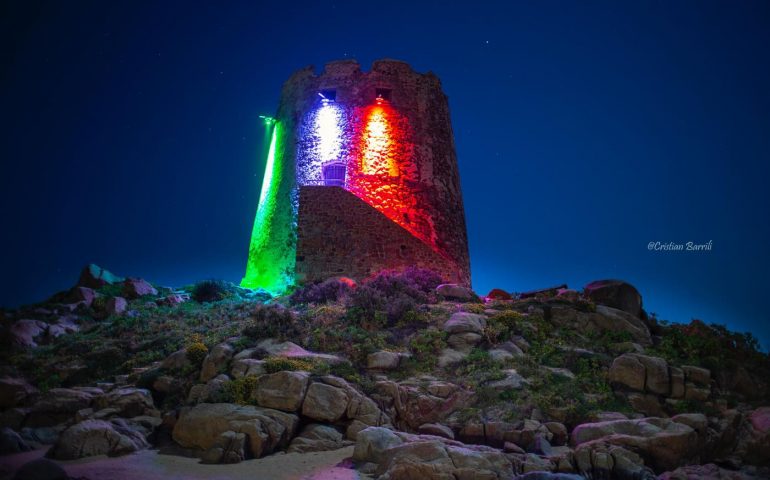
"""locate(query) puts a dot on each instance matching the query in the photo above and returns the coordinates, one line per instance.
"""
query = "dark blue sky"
(585, 130)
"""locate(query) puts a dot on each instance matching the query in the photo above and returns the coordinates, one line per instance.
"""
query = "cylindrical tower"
(385, 138)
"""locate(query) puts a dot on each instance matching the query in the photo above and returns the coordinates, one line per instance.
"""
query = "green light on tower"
(264, 269)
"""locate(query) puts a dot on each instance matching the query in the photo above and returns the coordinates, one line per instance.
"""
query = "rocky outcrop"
(414, 402)
(662, 443)
(401, 456)
(601, 460)
(654, 379)
(265, 430)
(94, 276)
(97, 437)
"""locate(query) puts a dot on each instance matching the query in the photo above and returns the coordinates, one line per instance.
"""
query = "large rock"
(325, 402)
(97, 437)
(60, 404)
(136, 287)
(265, 429)
(216, 361)
(663, 443)
(94, 276)
(616, 294)
(281, 390)
(629, 371)
(14, 392)
(316, 438)
(405, 456)
(641, 373)
(462, 322)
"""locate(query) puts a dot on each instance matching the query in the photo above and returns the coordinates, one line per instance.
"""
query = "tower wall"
(398, 153)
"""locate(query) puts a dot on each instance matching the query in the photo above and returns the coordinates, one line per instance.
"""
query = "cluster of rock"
(283, 400)
(78, 421)
(652, 382)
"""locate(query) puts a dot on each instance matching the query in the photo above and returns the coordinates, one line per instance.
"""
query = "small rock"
(116, 306)
(383, 360)
(500, 355)
(462, 322)
(136, 287)
(452, 291)
(543, 292)
(450, 357)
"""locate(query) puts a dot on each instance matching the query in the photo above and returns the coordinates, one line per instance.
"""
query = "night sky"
(585, 130)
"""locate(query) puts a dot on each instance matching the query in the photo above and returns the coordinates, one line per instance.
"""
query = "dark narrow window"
(334, 174)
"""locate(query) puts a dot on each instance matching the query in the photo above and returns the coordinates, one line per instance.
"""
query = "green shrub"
(196, 350)
(280, 364)
(239, 390)
(211, 291)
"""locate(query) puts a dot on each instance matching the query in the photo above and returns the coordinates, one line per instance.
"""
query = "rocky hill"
(426, 381)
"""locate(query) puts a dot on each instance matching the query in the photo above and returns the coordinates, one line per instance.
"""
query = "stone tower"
(361, 176)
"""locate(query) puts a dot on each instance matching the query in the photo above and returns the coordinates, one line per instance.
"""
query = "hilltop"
(420, 379)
